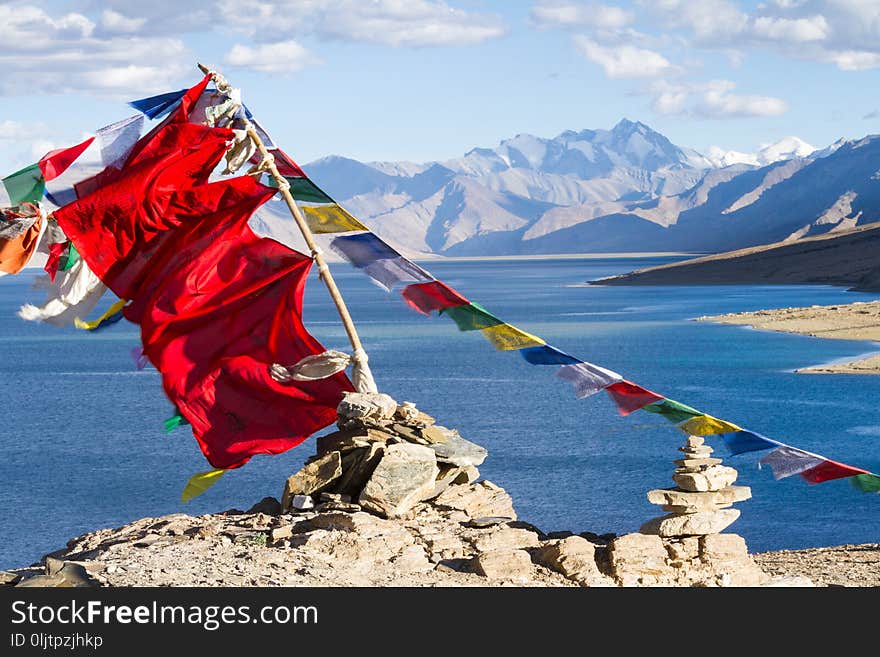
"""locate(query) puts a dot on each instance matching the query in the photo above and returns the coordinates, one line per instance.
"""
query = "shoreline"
(855, 321)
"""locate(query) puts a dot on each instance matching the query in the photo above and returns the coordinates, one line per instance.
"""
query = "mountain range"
(627, 189)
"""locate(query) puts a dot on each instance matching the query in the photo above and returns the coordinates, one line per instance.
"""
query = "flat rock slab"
(313, 478)
(691, 524)
(727, 495)
(457, 450)
(487, 521)
(406, 474)
(476, 500)
(715, 477)
(504, 564)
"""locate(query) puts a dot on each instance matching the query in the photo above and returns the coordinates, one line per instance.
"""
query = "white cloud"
(115, 22)
(64, 54)
(845, 33)
(574, 14)
(408, 23)
(792, 30)
(624, 61)
(719, 103)
(281, 57)
(853, 60)
(714, 100)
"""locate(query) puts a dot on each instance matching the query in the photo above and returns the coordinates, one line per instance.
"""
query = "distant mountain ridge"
(625, 189)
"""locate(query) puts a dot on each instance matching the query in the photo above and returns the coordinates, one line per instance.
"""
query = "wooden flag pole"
(317, 255)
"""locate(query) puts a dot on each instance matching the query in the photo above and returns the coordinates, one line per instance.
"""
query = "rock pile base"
(393, 499)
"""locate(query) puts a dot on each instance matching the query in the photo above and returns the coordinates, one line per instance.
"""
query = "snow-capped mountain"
(786, 148)
(624, 189)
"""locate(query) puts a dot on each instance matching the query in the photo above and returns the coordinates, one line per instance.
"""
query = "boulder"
(673, 496)
(313, 478)
(639, 560)
(268, 505)
(357, 467)
(719, 547)
(713, 478)
(504, 537)
(405, 475)
(362, 405)
(575, 558)
(477, 500)
(456, 450)
(691, 524)
(504, 564)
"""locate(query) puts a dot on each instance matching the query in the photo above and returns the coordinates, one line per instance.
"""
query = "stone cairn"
(384, 458)
(685, 546)
(700, 504)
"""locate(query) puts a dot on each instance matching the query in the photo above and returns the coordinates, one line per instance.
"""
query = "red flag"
(630, 397)
(828, 470)
(225, 308)
(120, 226)
(436, 295)
(54, 163)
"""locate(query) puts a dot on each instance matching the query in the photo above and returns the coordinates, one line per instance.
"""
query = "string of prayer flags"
(706, 425)
(472, 317)
(428, 297)
(506, 337)
(588, 379)
(631, 397)
(672, 410)
(740, 442)
(867, 483)
(378, 260)
(547, 355)
(786, 461)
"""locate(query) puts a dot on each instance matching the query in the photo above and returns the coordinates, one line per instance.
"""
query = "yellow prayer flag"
(91, 326)
(330, 219)
(199, 483)
(706, 425)
(505, 337)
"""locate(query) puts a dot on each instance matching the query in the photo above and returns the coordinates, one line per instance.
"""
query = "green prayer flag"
(25, 186)
(867, 483)
(304, 189)
(672, 410)
(70, 258)
(175, 421)
(472, 317)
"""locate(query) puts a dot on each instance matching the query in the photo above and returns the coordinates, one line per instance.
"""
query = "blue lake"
(84, 446)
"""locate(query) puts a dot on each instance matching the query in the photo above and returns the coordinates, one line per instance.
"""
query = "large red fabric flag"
(120, 226)
(226, 307)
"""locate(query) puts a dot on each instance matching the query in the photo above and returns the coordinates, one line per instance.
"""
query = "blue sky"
(423, 79)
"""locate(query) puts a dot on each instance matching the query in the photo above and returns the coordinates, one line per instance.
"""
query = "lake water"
(84, 446)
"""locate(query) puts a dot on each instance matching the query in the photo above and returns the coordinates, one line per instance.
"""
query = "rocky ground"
(439, 543)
